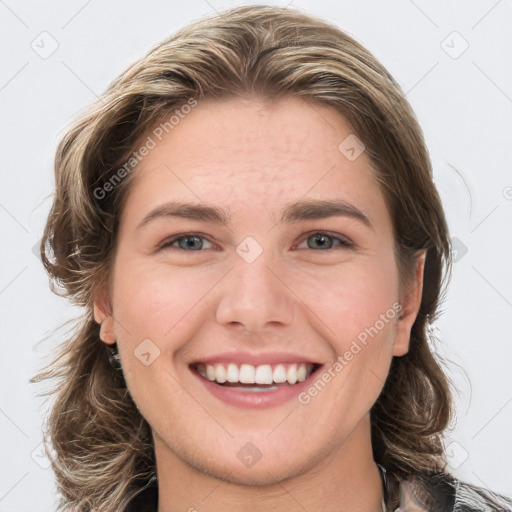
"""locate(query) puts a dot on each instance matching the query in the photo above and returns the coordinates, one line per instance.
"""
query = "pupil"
(191, 241)
(321, 240)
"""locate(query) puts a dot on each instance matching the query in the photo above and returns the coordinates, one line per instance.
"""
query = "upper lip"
(255, 359)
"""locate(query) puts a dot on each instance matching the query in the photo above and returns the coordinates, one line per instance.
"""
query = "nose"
(256, 297)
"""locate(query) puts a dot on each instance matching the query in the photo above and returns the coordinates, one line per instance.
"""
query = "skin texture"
(251, 158)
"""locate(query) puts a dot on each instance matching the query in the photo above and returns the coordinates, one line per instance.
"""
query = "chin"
(261, 474)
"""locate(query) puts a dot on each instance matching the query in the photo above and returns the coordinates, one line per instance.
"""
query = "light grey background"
(462, 97)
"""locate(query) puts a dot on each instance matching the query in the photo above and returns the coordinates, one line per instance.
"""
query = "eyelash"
(344, 242)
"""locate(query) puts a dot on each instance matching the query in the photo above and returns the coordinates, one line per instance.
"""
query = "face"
(256, 333)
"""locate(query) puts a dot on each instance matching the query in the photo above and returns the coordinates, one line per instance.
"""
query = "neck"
(347, 478)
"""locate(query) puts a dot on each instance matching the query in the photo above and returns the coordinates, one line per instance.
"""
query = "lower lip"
(255, 399)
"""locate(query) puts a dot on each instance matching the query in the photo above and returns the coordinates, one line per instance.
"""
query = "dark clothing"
(146, 500)
(445, 494)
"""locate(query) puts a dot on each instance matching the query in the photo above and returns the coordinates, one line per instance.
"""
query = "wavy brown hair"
(103, 451)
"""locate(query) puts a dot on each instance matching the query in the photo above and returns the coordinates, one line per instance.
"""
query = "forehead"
(256, 155)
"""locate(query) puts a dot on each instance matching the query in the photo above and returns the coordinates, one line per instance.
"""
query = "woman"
(248, 219)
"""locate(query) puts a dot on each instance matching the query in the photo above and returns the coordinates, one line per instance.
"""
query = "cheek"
(350, 298)
(153, 300)
(157, 312)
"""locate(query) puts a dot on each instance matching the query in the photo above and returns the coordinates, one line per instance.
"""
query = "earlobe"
(107, 333)
(411, 302)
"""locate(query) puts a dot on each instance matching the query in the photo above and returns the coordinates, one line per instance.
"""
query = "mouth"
(247, 385)
(261, 377)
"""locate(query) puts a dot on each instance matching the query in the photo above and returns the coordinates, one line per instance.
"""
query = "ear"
(103, 316)
(410, 301)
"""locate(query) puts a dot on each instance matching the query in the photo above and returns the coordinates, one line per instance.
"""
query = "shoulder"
(444, 493)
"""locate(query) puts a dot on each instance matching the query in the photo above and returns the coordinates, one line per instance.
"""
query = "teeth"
(232, 374)
(291, 374)
(279, 374)
(247, 374)
(210, 372)
(263, 374)
(220, 373)
(301, 373)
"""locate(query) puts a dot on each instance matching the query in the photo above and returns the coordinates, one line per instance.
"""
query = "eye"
(325, 241)
(186, 242)
(320, 240)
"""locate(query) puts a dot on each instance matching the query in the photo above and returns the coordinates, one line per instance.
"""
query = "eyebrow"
(309, 209)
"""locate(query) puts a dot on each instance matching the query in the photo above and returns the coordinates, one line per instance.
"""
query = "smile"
(248, 385)
(264, 374)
